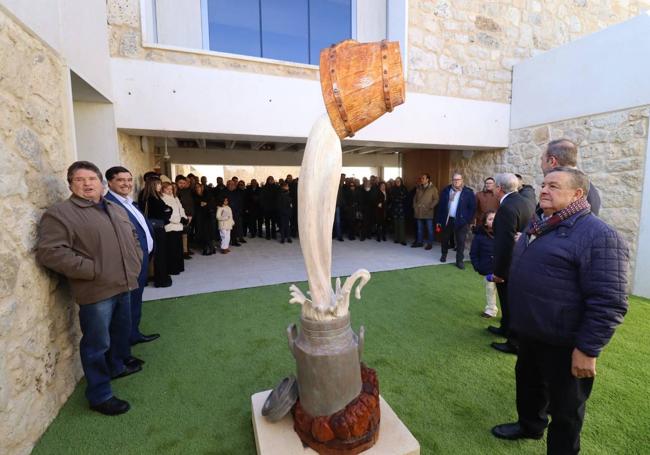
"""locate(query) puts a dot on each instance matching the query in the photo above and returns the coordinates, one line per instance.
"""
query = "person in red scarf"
(567, 287)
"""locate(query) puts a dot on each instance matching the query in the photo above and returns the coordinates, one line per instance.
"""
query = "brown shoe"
(224, 251)
(428, 247)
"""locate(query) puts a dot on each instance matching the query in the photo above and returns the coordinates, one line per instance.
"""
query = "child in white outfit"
(226, 222)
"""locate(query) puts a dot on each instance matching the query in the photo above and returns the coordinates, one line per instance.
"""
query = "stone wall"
(612, 151)
(39, 364)
(134, 158)
(465, 48)
(458, 48)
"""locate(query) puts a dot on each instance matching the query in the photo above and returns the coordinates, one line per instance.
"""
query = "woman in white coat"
(174, 230)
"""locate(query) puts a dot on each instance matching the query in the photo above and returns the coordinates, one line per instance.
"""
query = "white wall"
(642, 271)
(179, 23)
(371, 20)
(602, 72)
(95, 134)
(238, 104)
(76, 29)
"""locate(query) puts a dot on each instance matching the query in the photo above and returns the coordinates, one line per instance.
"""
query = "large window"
(291, 30)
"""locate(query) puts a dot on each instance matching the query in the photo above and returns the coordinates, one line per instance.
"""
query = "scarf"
(540, 227)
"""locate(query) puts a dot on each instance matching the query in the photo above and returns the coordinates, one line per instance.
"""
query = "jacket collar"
(85, 203)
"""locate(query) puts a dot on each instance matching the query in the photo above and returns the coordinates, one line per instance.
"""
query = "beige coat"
(224, 216)
(426, 198)
(177, 213)
(97, 250)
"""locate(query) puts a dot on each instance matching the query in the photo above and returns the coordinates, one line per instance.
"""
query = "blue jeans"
(136, 299)
(420, 222)
(105, 328)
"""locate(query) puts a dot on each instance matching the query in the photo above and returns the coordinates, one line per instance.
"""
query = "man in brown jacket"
(486, 200)
(91, 241)
(426, 198)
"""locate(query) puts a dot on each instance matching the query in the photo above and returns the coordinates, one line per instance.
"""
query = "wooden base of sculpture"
(351, 430)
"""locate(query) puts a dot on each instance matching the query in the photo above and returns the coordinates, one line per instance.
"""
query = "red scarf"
(540, 227)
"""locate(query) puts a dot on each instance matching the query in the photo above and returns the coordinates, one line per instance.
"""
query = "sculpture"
(338, 406)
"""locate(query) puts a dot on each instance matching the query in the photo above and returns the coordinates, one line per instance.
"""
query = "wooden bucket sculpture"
(360, 82)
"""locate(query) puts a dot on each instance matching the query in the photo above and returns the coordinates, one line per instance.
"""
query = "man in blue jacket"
(120, 184)
(456, 211)
(567, 286)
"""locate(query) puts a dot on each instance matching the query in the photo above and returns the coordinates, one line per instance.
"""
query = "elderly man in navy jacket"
(120, 184)
(456, 211)
(567, 286)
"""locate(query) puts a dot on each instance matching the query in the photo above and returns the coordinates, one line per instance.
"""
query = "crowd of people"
(560, 273)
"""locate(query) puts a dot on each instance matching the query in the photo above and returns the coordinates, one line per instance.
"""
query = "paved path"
(262, 262)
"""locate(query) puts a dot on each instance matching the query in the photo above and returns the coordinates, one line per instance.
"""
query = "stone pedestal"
(280, 439)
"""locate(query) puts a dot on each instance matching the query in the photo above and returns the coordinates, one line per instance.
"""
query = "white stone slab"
(279, 438)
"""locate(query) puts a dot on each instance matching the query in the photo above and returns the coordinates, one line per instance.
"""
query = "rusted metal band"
(385, 76)
(337, 92)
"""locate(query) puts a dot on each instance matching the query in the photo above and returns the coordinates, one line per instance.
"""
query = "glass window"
(285, 30)
(330, 21)
(290, 30)
(235, 26)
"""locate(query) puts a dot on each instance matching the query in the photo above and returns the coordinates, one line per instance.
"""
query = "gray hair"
(564, 151)
(507, 181)
(578, 178)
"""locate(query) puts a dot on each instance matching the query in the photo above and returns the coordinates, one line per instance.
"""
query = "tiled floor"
(262, 262)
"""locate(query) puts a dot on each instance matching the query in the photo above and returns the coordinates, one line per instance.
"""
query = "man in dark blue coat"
(120, 185)
(456, 210)
(567, 286)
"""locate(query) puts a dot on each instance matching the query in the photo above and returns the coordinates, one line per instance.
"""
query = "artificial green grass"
(424, 337)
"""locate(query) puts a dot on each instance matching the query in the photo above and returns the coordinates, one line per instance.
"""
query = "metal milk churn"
(328, 356)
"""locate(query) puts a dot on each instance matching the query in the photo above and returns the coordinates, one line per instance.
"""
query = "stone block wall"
(135, 158)
(39, 364)
(612, 151)
(465, 48)
(457, 48)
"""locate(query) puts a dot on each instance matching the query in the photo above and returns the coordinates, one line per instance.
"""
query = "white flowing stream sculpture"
(317, 188)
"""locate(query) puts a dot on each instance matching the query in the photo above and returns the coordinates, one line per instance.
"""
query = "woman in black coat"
(158, 214)
(205, 211)
(398, 206)
(381, 204)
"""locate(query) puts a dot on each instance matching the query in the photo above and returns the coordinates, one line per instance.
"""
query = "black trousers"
(160, 270)
(175, 262)
(285, 226)
(460, 234)
(502, 290)
(270, 223)
(546, 386)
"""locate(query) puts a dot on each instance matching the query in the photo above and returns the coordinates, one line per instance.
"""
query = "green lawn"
(424, 337)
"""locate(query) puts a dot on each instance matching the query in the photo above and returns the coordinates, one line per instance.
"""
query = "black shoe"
(282, 241)
(242, 240)
(146, 338)
(507, 347)
(129, 369)
(164, 284)
(496, 331)
(443, 258)
(512, 431)
(460, 265)
(289, 240)
(134, 361)
(205, 252)
(416, 245)
(235, 244)
(112, 407)
(340, 239)
(403, 243)
(187, 256)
